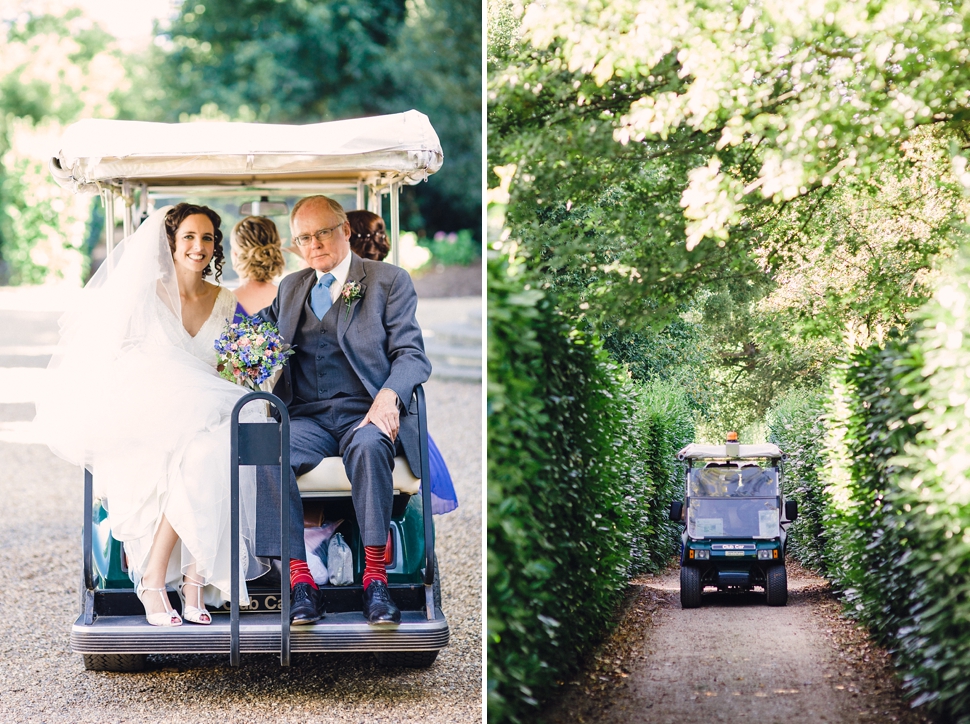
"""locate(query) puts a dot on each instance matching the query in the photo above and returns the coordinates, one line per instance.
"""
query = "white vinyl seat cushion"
(330, 478)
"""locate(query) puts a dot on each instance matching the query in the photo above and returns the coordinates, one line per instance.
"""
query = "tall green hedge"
(868, 428)
(899, 485)
(578, 481)
(663, 424)
(795, 425)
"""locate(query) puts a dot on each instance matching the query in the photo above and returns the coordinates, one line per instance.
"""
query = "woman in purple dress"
(258, 260)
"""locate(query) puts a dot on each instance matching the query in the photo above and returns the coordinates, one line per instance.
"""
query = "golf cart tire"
(114, 662)
(407, 659)
(690, 587)
(776, 586)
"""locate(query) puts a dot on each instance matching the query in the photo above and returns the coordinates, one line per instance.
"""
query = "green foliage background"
(303, 61)
(308, 61)
(882, 471)
(900, 498)
(53, 68)
(756, 202)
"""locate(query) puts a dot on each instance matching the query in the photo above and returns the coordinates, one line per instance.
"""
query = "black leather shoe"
(378, 606)
(304, 607)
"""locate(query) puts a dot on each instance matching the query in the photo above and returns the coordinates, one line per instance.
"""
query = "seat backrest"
(259, 443)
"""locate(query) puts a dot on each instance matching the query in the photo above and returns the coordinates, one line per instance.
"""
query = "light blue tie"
(320, 300)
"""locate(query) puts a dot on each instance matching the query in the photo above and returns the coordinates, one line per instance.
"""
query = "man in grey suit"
(358, 356)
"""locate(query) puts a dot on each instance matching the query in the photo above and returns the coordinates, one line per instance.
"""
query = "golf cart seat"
(329, 479)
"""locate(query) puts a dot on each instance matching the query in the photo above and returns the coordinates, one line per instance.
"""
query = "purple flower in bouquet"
(250, 351)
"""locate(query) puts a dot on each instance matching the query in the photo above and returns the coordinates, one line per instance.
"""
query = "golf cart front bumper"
(120, 626)
(260, 633)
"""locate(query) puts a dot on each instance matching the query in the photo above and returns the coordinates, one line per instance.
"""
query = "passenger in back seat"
(368, 240)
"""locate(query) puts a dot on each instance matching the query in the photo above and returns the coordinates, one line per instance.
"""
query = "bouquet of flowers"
(250, 352)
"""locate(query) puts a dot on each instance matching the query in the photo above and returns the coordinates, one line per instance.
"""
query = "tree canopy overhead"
(301, 61)
(308, 61)
(283, 62)
(824, 90)
(781, 173)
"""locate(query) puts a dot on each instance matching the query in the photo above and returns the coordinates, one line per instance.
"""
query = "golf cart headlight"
(764, 555)
(702, 554)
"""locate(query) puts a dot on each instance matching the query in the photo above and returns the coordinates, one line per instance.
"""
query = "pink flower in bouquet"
(350, 292)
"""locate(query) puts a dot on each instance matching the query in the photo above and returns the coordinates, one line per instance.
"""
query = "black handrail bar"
(425, 486)
(247, 457)
(87, 537)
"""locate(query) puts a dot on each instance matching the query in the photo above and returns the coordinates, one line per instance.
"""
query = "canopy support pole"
(126, 196)
(143, 203)
(361, 200)
(109, 219)
(375, 198)
(395, 224)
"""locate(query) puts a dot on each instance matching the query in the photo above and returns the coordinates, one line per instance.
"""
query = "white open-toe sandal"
(162, 618)
(198, 613)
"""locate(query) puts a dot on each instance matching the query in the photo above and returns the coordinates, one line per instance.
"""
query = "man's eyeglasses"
(321, 235)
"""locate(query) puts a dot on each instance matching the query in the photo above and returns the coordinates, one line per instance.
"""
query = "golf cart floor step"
(260, 633)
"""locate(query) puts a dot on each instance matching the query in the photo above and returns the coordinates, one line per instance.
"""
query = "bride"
(133, 395)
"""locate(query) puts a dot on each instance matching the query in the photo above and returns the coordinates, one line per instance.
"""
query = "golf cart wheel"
(114, 662)
(408, 659)
(776, 586)
(690, 587)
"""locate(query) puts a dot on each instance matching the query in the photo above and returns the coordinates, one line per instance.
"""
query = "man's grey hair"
(335, 207)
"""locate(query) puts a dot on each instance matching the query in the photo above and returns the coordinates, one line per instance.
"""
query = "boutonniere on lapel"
(350, 292)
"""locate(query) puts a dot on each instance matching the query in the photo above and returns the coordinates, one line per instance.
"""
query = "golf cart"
(137, 166)
(734, 537)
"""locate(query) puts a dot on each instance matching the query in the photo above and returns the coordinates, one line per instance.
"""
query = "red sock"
(374, 568)
(300, 573)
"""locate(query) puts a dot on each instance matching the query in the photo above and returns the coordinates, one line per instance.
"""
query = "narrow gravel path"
(735, 659)
(40, 554)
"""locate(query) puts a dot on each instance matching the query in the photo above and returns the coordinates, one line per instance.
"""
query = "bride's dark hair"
(179, 213)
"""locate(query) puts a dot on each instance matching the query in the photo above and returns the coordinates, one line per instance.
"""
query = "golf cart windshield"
(728, 501)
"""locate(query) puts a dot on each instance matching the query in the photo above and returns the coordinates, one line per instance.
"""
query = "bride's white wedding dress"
(139, 402)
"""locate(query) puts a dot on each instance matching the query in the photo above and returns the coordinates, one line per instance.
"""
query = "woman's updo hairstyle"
(256, 242)
(368, 238)
(179, 213)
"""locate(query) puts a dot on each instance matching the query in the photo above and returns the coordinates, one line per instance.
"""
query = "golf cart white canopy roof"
(719, 452)
(401, 148)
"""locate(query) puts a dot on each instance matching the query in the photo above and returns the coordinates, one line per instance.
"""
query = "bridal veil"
(134, 399)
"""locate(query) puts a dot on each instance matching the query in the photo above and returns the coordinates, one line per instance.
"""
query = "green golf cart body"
(137, 166)
(734, 515)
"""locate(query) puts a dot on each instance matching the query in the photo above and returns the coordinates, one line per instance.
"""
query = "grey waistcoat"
(320, 369)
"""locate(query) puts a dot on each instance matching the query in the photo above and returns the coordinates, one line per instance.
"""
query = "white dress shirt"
(340, 273)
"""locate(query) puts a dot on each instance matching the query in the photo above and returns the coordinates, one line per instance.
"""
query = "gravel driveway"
(734, 660)
(42, 681)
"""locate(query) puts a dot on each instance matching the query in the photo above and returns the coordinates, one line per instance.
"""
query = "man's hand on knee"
(384, 413)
